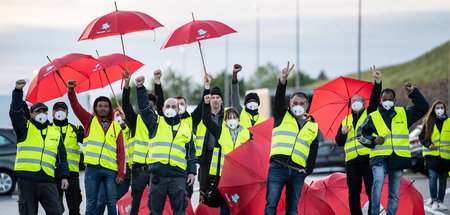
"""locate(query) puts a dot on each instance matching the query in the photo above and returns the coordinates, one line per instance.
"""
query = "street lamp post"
(297, 39)
(359, 41)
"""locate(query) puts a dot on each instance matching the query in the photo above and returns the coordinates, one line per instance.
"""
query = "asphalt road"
(8, 204)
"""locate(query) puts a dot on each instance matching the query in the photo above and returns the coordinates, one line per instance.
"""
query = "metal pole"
(359, 41)
(257, 37)
(226, 81)
(297, 39)
(448, 84)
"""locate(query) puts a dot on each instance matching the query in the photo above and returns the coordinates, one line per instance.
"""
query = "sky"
(392, 32)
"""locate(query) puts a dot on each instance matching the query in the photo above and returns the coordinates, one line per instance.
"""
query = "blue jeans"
(277, 178)
(395, 176)
(122, 189)
(94, 176)
(434, 177)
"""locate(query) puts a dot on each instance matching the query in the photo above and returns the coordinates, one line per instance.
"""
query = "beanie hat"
(251, 96)
(216, 91)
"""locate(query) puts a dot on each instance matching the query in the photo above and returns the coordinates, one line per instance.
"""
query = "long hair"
(430, 119)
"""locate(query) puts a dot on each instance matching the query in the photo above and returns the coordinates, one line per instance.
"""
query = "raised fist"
(71, 84)
(140, 81)
(157, 75)
(207, 98)
(20, 84)
(237, 68)
(409, 87)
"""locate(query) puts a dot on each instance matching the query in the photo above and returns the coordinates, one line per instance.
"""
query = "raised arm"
(279, 106)
(130, 115)
(159, 92)
(16, 112)
(235, 97)
(147, 113)
(82, 115)
(376, 91)
(207, 120)
(420, 105)
(197, 113)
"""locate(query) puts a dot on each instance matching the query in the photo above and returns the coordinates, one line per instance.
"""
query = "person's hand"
(71, 84)
(140, 81)
(207, 98)
(119, 180)
(378, 140)
(119, 113)
(157, 75)
(376, 74)
(127, 78)
(64, 184)
(345, 129)
(432, 147)
(190, 179)
(285, 72)
(409, 87)
(20, 84)
(236, 69)
(207, 82)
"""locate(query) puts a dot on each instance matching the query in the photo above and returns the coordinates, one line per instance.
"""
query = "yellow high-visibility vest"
(141, 143)
(245, 119)
(71, 144)
(352, 146)
(441, 140)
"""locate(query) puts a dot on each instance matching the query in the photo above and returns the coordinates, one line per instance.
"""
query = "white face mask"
(387, 104)
(60, 115)
(119, 120)
(252, 106)
(298, 110)
(182, 109)
(41, 118)
(439, 112)
(357, 106)
(233, 123)
(169, 113)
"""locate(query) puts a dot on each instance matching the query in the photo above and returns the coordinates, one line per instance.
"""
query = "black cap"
(251, 96)
(60, 104)
(38, 106)
(216, 91)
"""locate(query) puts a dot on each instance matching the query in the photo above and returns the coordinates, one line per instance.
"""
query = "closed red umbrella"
(410, 200)
(331, 102)
(196, 31)
(50, 82)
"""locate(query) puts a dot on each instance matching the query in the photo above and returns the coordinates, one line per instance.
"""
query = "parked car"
(418, 162)
(8, 149)
(329, 160)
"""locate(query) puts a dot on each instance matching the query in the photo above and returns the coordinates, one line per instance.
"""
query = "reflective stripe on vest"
(100, 148)
(245, 119)
(226, 142)
(166, 149)
(35, 153)
(129, 142)
(396, 139)
(141, 142)
(441, 140)
(352, 146)
(200, 138)
(71, 144)
(288, 140)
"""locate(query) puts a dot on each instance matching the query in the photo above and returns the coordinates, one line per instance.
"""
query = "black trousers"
(31, 193)
(355, 175)
(203, 172)
(139, 181)
(73, 194)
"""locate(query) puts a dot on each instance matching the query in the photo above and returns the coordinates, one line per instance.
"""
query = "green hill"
(429, 67)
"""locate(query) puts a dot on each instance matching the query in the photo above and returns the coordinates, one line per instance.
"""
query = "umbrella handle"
(115, 98)
(201, 54)
(124, 56)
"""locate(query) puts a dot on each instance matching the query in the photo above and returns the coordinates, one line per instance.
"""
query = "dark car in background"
(329, 160)
(8, 149)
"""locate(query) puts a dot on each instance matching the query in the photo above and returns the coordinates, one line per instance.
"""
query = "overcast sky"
(392, 32)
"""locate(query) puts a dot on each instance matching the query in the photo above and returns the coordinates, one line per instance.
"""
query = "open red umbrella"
(335, 190)
(410, 200)
(312, 202)
(124, 205)
(50, 82)
(262, 132)
(203, 209)
(331, 102)
(108, 70)
(118, 23)
(196, 31)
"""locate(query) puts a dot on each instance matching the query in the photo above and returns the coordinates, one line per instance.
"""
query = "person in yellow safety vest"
(171, 156)
(249, 116)
(103, 149)
(192, 119)
(40, 148)
(72, 135)
(229, 136)
(139, 147)
(356, 155)
(435, 138)
(385, 132)
(295, 139)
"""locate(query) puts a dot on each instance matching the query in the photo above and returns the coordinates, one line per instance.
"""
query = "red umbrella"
(410, 200)
(109, 69)
(331, 102)
(203, 209)
(50, 82)
(124, 205)
(335, 190)
(262, 132)
(118, 23)
(196, 31)
(312, 202)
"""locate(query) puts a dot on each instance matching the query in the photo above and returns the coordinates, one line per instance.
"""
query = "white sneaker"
(442, 207)
(435, 206)
(428, 202)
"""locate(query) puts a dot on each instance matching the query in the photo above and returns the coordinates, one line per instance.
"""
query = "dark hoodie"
(19, 122)
(86, 118)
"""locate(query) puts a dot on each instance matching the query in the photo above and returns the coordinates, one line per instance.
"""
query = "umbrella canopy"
(50, 82)
(335, 190)
(197, 30)
(124, 205)
(312, 202)
(117, 23)
(262, 132)
(203, 209)
(108, 70)
(410, 200)
(331, 102)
